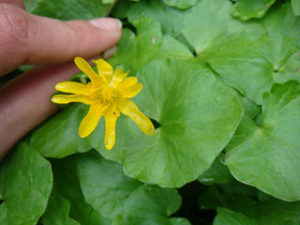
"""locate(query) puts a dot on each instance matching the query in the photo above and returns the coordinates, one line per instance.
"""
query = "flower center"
(104, 95)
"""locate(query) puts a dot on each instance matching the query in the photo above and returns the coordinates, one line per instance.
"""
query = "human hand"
(29, 39)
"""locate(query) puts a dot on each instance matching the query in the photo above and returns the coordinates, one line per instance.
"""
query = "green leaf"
(267, 156)
(240, 66)
(146, 46)
(249, 64)
(197, 115)
(172, 48)
(260, 58)
(169, 18)
(71, 9)
(143, 47)
(275, 212)
(251, 109)
(25, 186)
(57, 212)
(228, 217)
(205, 31)
(235, 196)
(121, 198)
(296, 7)
(66, 186)
(276, 49)
(217, 173)
(247, 9)
(281, 21)
(290, 70)
(58, 137)
(148, 40)
(245, 56)
(180, 4)
(120, 10)
(253, 204)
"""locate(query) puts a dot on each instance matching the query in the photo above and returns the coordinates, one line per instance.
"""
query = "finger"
(22, 110)
(18, 3)
(29, 39)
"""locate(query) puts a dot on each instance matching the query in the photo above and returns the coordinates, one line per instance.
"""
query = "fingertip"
(108, 24)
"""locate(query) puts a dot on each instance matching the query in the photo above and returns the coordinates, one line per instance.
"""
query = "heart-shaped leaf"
(197, 114)
(122, 199)
(25, 186)
(267, 155)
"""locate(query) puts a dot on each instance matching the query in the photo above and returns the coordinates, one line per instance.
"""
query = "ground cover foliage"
(220, 83)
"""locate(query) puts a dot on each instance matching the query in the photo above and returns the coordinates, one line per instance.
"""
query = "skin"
(51, 44)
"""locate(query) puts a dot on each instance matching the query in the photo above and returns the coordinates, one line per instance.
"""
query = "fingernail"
(109, 24)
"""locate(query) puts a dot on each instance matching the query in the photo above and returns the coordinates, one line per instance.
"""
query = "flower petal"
(118, 77)
(128, 82)
(110, 116)
(73, 87)
(104, 69)
(90, 121)
(132, 91)
(65, 99)
(131, 110)
(85, 67)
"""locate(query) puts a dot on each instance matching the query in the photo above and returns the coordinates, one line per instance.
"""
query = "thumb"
(29, 39)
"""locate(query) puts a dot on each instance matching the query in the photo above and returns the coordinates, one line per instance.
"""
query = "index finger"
(30, 39)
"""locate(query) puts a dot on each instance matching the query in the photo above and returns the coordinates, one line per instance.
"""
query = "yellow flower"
(107, 94)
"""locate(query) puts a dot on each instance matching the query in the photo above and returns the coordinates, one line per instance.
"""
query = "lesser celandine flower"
(107, 94)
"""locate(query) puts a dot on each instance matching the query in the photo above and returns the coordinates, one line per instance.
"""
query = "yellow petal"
(118, 77)
(131, 110)
(73, 87)
(128, 82)
(85, 67)
(90, 121)
(110, 116)
(65, 99)
(104, 69)
(131, 91)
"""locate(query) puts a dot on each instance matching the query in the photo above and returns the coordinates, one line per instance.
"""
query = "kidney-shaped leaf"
(240, 65)
(143, 47)
(247, 9)
(251, 65)
(57, 212)
(180, 4)
(66, 187)
(228, 217)
(268, 156)
(25, 186)
(218, 173)
(197, 114)
(169, 18)
(290, 70)
(203, 30)
(121, 198)
(58, 136)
